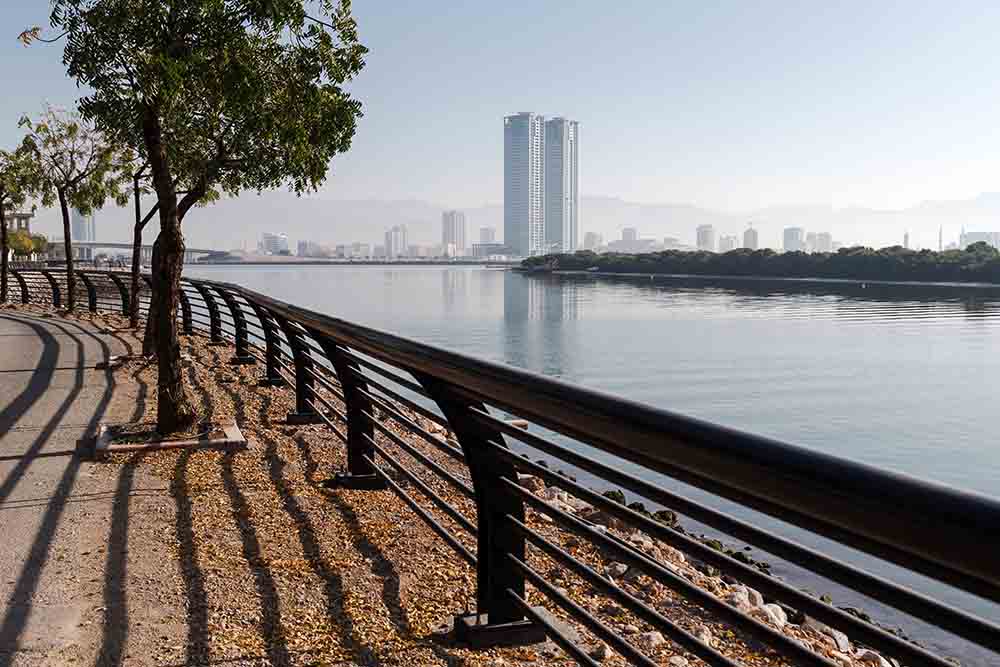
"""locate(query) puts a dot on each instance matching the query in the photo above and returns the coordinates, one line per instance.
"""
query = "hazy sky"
(731, 106)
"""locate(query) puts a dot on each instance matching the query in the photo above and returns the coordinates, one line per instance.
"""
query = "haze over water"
(899, 377)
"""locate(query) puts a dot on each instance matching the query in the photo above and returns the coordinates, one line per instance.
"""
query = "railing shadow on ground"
(18, 606)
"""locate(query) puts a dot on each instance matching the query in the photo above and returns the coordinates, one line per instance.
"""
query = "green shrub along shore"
(980, 263)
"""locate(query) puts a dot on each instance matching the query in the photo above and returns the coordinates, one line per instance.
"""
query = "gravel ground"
(244, 559)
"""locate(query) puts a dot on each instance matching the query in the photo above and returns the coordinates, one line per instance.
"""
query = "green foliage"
(20, 242)
(74, 159)
(980, 262)
(39, 244)
(247, 94)
(19, 179)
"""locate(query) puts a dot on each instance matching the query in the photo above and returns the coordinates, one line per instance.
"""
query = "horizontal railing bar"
(326, 420)
(461, 486)
(630, 602)
(442, 532)
(955, 620)
(416, 407)
(682, 586)
(398, 416)
(440, 502)
(554, 633)
(775, 588)
(333, 389)
(601, 630)
(388, 375)
(341, 415)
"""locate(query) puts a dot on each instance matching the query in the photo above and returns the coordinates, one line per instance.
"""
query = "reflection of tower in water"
(535, 310)
(453, 286)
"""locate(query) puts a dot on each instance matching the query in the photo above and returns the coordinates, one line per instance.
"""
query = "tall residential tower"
(562, 184)
(453, 233)
(541, 184)
(524, 183)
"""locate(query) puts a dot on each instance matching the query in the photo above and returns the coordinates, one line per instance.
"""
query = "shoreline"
(850, 282)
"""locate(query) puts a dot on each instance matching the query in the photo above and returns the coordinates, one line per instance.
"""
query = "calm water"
(900, 377)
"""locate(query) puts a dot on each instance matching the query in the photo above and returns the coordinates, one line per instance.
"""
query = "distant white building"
(592, 241)
(453, 232)
(487, 235)
(968, 238)
(273, 244)
(395, 242)
(630, 234)
(794, 239)
(750, 239)
(727, 243)
(706, 237)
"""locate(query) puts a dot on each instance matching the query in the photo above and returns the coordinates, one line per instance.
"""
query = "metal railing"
(416, 419)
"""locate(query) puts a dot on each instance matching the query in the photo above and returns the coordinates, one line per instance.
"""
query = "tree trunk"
(133, 309)
(3, 254)
(174, 411)
(149, 336)
(68, 244)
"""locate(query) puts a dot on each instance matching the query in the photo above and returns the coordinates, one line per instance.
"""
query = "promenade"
(194, 558)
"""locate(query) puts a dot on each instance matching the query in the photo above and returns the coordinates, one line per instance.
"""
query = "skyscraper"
(81, 226)
(562, 185)
(453, 233)
(487, 235)
(524, 183)
(795, 239)
(630, 234)
(824, 242)
(750, 239)
(706, 237)
(727, 243)
(395, 242)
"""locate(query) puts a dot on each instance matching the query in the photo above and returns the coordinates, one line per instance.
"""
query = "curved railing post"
(304, 413)
(23, 284)
(215, 321)
(187, 324)
(498, 618)
(360, 431)
(272, 346)
(91, 292)
(56, 296)
(122, 291)
(240, 327)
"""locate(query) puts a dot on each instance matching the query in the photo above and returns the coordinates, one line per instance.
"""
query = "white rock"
(839, 639)
(767, 614)
(704, 635)
(756, 599)
(641, 540)
(617, 569)
(530, 482)
(650, 639)
(678, 661)
(740, 599)
(630, 629)
(552, 493)
(842, 659)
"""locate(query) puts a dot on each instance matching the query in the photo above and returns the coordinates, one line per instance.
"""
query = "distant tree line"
(980, 262)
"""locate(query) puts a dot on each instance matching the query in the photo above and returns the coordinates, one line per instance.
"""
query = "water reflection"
(535, 315)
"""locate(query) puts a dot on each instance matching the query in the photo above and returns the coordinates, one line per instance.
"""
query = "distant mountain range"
(233, 222)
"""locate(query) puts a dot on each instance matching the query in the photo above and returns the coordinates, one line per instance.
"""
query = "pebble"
(869, 657)
(617, 569)
(630, 629)
(531, 483)
(599, 652)
(704, 635)
(840, 640)
(678, 661)
(650, 639)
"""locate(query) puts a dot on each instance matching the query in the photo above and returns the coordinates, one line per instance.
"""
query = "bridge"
(85, 250)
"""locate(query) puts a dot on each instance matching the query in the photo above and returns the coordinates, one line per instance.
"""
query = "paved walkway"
(56, 508)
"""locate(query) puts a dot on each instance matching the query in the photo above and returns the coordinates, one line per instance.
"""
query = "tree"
(20, 243)
(19, 181)
(218, 97)
(77, 167)
(40, 244)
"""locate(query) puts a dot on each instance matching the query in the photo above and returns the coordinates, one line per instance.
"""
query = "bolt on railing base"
(475, 631)
(242, 361)
(345, 480)
(303, 418)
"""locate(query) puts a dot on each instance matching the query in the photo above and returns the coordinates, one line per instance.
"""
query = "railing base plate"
(242, 361)
(345, 480)
(475, 631)
(303, 418)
